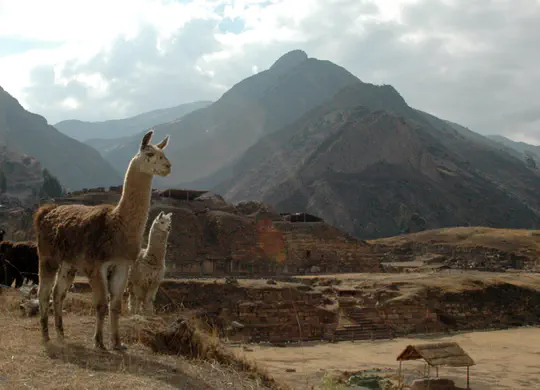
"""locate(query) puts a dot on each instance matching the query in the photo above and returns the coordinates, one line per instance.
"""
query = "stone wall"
(500, 305)
(255, 311)
(275, 313)
(210, 237)
(309, 245)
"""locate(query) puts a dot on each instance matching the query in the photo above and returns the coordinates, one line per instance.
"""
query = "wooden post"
(399, 375)
(468, 388)
(437, 369)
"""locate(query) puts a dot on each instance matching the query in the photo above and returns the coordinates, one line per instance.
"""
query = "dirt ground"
(25, 363)
(508, 359)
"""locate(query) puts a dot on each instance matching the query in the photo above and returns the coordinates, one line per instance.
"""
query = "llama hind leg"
(64, 279)
(99, 290)
(117, 285)
(47, 273)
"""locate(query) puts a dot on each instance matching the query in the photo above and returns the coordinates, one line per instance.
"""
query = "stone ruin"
(214, 238)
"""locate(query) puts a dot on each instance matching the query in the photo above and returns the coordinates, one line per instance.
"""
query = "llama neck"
(157, 245)
(135, 201)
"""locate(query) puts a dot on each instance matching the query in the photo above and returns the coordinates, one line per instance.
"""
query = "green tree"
(3, 182)
(51, 186)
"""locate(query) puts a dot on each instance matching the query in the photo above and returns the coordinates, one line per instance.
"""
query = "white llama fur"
(149, 269)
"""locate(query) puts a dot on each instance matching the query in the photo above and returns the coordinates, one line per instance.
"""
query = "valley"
(320, 225)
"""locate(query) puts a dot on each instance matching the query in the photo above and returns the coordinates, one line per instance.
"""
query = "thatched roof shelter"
(437, 354)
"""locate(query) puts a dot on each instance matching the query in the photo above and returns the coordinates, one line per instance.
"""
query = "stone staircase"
(363, 327)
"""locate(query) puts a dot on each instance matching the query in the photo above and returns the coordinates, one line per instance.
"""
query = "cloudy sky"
(475, 62)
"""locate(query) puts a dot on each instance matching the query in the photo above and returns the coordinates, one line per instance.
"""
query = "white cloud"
(470, 62)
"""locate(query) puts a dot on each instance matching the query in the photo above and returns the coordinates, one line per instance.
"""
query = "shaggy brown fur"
(100, 241)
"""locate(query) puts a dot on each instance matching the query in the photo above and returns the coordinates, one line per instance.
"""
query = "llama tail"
(41, 213)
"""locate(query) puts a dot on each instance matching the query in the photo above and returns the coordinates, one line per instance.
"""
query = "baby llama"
(147, 273)
(100, 241)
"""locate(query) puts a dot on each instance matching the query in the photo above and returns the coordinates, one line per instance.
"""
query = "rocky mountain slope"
(76, 165)
(21, 179)
(207, 140)
(368, 163)
(94, 132)
(522, 149)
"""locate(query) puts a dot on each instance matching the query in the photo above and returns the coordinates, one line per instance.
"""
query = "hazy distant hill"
(207, 140)
(118, 128)
(520, 147)
(75, 164)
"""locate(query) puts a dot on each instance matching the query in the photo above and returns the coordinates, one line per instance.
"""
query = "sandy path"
(508, 359)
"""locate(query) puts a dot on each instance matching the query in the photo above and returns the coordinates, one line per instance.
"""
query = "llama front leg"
(148, 304)
(117, 285)
(137, 299)
(150, 298)
(47, 272)
(99, 291)
(133, 302)
(64, 280)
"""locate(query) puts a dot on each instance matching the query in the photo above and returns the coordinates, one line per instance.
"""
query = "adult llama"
(146, 274)
(101, 242)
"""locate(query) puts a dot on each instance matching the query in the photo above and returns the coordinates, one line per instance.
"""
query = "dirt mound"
(184, 337)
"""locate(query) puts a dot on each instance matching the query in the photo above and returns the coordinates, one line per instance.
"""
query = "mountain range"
(370, 164)
(98, 133)
(75, 164)
(307, 135)
(208, 140)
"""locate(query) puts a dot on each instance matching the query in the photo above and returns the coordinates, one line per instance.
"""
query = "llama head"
(163, 221)
(151, 159)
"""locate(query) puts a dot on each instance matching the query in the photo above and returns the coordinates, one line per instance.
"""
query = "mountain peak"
(290, 59)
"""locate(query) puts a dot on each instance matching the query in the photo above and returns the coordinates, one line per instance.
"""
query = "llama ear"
(163, 144)
(146, 139)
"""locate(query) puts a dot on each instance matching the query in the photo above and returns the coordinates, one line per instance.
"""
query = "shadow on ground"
(106, 361)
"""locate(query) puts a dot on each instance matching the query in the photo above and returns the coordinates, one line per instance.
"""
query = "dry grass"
(242, 283)
(185, 337)
(27, 364)
(522, 240)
